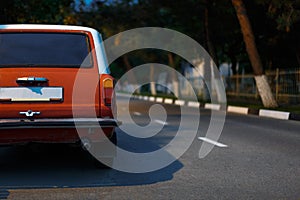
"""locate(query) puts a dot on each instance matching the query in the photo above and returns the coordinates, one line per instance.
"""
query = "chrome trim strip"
(30, 113)
(20, 99)
(58, 123)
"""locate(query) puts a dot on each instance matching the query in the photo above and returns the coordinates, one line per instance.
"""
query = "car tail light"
(108, 86)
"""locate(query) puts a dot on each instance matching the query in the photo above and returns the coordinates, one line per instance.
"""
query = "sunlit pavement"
(260, 161)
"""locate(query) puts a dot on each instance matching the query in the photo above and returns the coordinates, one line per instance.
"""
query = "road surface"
(260, 159)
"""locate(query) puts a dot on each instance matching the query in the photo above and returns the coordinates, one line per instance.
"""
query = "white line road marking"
(137, 113)
(212, 142)
(161, 122)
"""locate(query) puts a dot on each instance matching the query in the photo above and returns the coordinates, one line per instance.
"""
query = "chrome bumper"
(58, 123)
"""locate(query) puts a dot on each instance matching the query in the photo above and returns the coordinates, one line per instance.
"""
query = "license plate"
(31, 94)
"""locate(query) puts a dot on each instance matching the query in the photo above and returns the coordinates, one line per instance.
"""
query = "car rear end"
(39, 65)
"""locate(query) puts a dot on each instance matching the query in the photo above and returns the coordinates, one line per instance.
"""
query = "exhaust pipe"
(86, 144)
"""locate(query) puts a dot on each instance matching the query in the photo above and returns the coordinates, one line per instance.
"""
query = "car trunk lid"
(38, 71)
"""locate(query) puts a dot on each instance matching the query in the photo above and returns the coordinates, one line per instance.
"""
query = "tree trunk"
(298, 56)
(152, 83)
(233, 60)
(209, 43)
(261, 80)
(173, 75)
(131, 76)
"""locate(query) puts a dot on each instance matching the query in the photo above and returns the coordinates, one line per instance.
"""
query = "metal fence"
(285, 85)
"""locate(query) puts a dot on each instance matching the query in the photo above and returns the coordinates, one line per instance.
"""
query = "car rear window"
(44, 49)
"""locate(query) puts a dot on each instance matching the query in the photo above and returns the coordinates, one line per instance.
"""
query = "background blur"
(212, 23)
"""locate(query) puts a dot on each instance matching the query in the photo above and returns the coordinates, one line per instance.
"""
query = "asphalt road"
(261, 161)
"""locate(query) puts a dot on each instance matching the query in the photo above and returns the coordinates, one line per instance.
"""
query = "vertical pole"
(256, 89)
(277, 84)
(237, 85)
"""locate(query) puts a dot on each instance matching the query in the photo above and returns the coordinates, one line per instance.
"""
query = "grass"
(256, 104)
(293, 109)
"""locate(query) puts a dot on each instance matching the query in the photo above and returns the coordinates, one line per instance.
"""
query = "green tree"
(38, 11)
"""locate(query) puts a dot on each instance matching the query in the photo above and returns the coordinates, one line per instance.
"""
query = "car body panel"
(34, 116)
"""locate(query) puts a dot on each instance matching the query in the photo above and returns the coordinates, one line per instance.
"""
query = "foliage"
(276, 23)
(37, 11)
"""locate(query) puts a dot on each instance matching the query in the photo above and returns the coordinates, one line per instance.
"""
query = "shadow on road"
(57, 165)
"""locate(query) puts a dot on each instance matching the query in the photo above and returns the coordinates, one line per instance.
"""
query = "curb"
(212, 106)
(231, 109)
(238, 109)
(274, 114)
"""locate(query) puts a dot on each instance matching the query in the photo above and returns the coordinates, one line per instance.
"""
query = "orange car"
(54, 81)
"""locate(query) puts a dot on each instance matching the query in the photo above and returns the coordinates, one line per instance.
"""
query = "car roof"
(46, 27)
